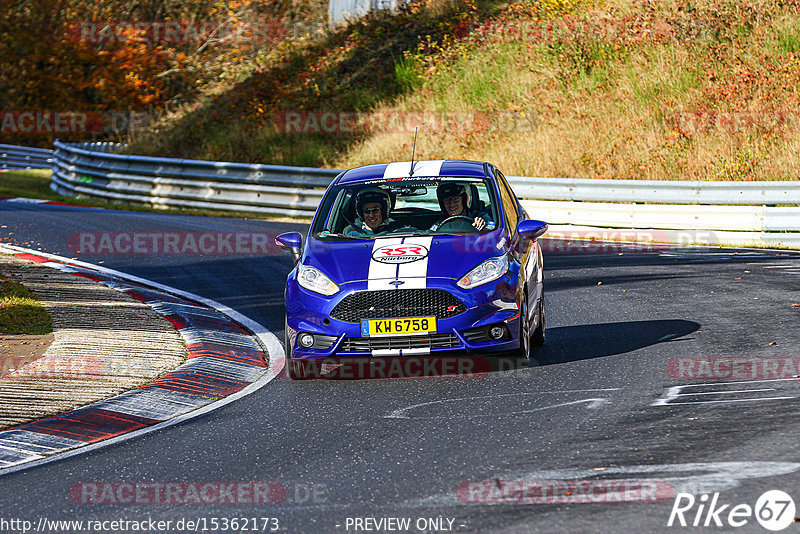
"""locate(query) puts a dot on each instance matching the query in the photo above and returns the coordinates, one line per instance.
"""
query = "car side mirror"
(531, 229)
(291, 242)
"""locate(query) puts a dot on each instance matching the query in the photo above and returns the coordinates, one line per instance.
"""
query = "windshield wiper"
(412, 234)
(329, 234)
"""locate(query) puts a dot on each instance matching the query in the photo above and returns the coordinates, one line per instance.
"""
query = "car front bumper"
(495, 303)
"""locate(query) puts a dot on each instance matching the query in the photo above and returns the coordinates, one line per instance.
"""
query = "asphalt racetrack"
(668, 383)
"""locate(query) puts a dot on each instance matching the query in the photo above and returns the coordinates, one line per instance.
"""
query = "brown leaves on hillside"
(118, 56)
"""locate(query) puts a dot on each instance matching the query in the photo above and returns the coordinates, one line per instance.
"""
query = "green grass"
(36, 184)
(27, 184)
(20, 310)
(408, 72)
(787, 36)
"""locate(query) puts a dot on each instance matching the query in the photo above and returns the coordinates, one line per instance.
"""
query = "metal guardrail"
(22, 157)
(659, 192)
(188, 183)
(340, 11)
(743, 207)
(668, 216)
(668, 205)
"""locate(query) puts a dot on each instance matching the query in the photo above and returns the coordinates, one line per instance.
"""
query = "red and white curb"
(230, 356)
(23, 200)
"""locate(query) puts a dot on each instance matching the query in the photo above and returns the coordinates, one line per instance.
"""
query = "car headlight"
(313, 280)
(491, 269)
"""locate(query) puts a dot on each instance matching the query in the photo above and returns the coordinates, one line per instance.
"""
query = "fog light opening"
(497, 332)
(306, 340)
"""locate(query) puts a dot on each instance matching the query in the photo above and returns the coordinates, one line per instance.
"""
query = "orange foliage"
(49, 61)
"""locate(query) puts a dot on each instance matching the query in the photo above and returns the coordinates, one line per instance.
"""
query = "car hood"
(395, 258)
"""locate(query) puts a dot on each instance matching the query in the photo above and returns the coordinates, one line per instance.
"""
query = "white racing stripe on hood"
(401, 169)
(381, 273)
(413, 274)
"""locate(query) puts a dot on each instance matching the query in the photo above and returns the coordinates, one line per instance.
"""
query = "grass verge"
(20, 310)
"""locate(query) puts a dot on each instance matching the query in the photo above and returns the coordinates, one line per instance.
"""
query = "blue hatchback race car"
(430, 258)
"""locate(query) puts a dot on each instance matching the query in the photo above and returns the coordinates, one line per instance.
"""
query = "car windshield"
(407, 206)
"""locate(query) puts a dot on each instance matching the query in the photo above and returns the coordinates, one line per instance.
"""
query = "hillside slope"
(641, 89)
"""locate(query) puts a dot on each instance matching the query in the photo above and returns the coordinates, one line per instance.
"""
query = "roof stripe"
(428, 168)
(423, 169)
(402, 169)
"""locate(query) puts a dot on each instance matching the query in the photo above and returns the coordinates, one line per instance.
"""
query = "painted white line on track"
(725, 391)
(671, 395)
(680, 403)
(271, 345)
(402, 413)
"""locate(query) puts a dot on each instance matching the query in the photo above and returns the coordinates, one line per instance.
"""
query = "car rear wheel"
(296, 369)
(538, 334)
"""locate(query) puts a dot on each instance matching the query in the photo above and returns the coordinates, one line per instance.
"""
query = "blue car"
(430, 258)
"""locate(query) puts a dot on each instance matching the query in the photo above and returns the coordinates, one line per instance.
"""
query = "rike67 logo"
(774, 510)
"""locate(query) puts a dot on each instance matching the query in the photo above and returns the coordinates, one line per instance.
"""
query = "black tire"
(537, 340)
(524, 328)
(296, 369)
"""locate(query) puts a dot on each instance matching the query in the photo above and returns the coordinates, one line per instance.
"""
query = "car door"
(521, 250)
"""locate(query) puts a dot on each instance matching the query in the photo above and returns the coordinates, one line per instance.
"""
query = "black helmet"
(373, 194)
(452, 189)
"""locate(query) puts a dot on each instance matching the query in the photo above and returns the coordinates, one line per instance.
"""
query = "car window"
(509, 203)
(408, 206)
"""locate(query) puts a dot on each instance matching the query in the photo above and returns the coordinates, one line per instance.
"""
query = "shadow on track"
(583, 342)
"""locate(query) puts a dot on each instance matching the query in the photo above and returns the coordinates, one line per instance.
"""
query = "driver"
(454, 200)
(373, 206)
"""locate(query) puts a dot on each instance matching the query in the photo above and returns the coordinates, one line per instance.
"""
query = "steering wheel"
(455, 218)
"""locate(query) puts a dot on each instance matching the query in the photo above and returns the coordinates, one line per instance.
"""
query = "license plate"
(394, 327)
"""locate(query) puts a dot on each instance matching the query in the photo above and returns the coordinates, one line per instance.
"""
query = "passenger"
(373, 206)
(454, 200)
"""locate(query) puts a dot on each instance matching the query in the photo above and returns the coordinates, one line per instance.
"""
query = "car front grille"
(427, 341)
(388, 304)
